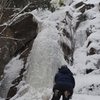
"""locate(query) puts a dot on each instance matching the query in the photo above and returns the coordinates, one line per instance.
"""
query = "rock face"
(7, 48)
(24, 29)
(67, 42)
(15, 37)
(87, 30)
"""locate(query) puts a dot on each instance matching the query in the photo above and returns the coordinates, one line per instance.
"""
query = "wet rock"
(24, 29)
(79, 4)
(89, 70)
(7, 48)
(67, 52)
(92, 89)
(89, 30)
(86, 7)
(16, 37)
(81, 18)
(65, 33)
(12, 92)
(89, 43)
(92, 51)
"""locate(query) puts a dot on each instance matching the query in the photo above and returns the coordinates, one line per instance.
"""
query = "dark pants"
(56, 96)
(60, 91)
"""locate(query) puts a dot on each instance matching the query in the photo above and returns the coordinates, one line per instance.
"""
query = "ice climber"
(64, 84)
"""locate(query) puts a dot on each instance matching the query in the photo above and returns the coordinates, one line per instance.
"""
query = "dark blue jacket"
(64, 79)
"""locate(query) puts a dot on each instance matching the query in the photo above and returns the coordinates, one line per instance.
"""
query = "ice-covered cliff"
(69, 35)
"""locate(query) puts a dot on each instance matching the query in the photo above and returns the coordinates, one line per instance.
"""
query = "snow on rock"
(92, 1)
(46, 95)
(41, 14)
(57, 3)
(34, 94)
(11, 71)
(86, 55)
(85, 97)
(87, 84)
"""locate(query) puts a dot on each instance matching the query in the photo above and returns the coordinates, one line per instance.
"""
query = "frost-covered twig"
(3, 30)
(11, 38)
(19, 13)
(11, 21)
(24, 51)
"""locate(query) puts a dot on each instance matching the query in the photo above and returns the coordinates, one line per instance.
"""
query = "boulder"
(16, 37)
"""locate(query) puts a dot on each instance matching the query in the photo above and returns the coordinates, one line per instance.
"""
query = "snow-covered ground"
(46, 46)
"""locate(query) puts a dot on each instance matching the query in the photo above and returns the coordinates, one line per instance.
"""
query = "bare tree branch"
(11, 38)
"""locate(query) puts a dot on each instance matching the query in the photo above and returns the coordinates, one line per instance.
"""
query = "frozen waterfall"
(45, 57)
